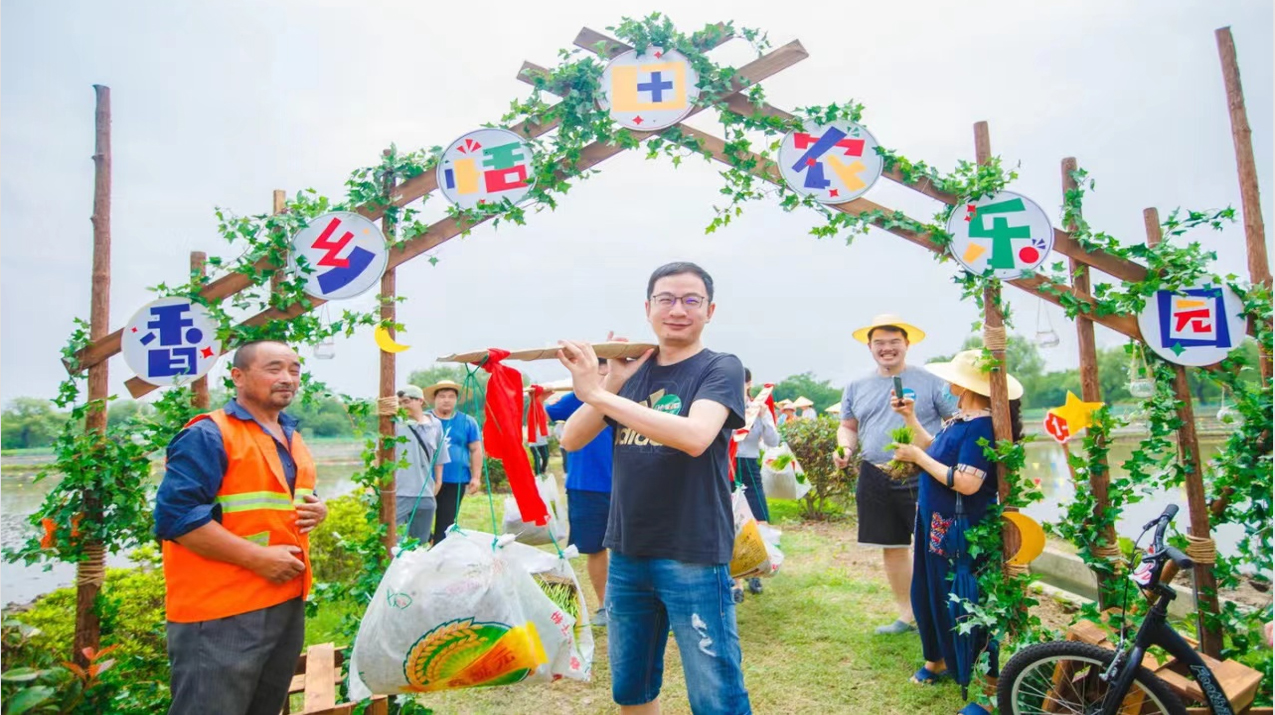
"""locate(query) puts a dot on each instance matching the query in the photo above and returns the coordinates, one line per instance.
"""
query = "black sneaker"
(737, 594)
(754, 586)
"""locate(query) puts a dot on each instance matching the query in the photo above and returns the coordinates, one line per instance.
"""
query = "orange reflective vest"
(256, 505)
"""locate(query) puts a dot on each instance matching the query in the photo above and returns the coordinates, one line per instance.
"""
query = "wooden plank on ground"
(320, 678)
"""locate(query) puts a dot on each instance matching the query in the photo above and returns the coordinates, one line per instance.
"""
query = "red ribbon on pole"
(502, 435)
(537, 416)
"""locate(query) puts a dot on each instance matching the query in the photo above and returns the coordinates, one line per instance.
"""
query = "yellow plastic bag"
(749, 555)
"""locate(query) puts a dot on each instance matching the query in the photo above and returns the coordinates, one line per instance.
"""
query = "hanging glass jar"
(1141, 384)
(325, 349)
(1046, 337)
(1227, 414)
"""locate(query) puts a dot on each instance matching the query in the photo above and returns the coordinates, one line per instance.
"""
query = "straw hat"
(440, 385)
(783, 404)
(964, 371)
(802, 402)
(915, 334)
(834, 409)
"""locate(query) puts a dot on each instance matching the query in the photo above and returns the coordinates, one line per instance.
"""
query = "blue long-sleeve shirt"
(589, 469)
(195, 467)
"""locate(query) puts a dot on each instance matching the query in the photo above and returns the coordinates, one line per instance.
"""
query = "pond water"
(338, 461)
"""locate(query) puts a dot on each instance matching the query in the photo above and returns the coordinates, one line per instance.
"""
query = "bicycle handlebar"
(1161, 523)
(1183, 561)
(1158, 548)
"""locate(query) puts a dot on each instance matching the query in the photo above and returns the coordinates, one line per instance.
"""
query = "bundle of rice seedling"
(894, 468)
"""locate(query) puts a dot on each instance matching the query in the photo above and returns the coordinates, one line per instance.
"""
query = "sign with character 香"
(171, 341)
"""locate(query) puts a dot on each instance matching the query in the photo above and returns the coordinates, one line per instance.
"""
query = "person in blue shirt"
(589, 497)
(464, 441)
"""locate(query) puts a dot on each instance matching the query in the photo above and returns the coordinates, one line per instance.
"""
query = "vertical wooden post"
(994, 326)
(994, 339)
(1090, 391)
(279, 200)
(90, 571)
(199, 388)
(1197, 507)
(388, 388)
(1259, 268)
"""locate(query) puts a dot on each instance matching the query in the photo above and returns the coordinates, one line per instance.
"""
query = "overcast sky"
(217, 104)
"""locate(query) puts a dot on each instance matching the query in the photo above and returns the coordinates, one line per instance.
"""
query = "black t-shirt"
(666, 504)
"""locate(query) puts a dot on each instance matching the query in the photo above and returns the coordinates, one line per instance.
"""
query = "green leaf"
(21, 675)
(29, 698)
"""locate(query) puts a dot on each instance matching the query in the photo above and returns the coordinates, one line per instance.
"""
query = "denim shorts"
(647, 596)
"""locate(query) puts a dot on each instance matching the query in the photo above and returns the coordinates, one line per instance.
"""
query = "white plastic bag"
(783, 482)
(471, 612)
(533, 534)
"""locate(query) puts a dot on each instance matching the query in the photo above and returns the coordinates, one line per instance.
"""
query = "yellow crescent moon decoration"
(1032, 543)
(386, 343)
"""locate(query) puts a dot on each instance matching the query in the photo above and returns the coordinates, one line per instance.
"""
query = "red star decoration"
(833, 192)
(637, 119)
(659, 54)
(134, 330)
(206, 352)
(971, 209)
(810, 162)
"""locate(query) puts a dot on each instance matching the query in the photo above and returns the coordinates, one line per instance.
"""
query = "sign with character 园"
(1198, 326)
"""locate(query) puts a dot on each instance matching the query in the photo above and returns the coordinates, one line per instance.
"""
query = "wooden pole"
(199, 388)
(90, 571)
(278, 260)
(994, 339)
(388, 388)
(1259, 267)
(1100, 480)
(1189, 455)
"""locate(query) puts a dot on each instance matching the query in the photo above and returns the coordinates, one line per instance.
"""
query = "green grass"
(808, 641)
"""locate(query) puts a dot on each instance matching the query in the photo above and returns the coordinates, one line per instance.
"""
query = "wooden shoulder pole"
(1259, 267)
(199, 388)
(1189, 454)
(387, 388)
(1099, 479)
(90, 571)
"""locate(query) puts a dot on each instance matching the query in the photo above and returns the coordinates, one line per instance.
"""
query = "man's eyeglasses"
(691, 301)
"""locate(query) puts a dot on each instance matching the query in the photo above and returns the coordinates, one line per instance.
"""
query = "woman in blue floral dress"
(955, 463)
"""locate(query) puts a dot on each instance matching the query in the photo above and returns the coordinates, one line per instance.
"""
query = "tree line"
(31, 422)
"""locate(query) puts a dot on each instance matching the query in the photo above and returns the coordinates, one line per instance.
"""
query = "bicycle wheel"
(1062, 678)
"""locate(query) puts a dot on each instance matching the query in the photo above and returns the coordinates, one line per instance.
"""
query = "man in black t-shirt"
(670, 529)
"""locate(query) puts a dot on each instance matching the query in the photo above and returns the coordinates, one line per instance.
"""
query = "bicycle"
(1083, 679)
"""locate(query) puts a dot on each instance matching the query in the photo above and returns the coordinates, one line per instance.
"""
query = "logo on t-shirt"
(671, 404)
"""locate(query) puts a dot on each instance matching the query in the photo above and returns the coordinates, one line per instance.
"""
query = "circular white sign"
(345, 252)
(486, 166)
(834, 163)
(1197, 326)
(1007, 233)
(171, 341)
(650, 91)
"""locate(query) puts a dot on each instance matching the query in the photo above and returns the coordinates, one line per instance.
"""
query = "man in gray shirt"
(415, 486)
(886, 506)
